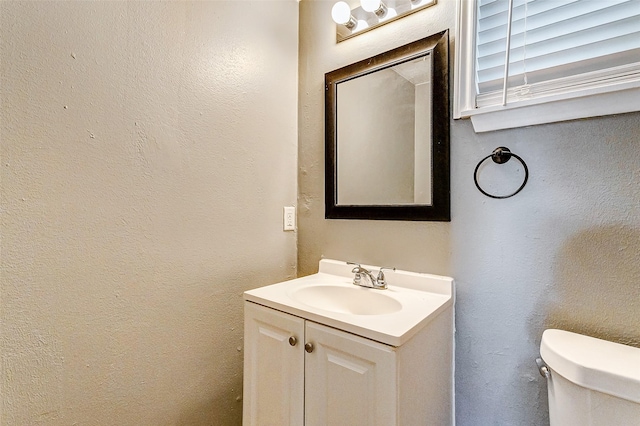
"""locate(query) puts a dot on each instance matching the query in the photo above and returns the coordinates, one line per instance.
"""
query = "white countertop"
(422, 296)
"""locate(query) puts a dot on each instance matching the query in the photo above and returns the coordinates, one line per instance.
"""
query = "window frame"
(587, 97)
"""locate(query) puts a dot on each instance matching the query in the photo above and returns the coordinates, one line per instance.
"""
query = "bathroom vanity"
(322, 351)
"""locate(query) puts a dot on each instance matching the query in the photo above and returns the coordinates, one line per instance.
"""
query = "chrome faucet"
(363, 274)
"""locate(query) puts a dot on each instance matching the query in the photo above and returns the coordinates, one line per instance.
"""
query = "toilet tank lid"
(593, 363)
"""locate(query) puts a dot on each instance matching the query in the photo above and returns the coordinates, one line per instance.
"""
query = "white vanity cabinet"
(320, 351)
(322, 376)
(340, 378)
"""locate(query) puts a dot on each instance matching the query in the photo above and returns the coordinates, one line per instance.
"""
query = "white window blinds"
(556, 46)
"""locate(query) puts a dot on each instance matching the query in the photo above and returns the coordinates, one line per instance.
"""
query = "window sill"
(553, 110)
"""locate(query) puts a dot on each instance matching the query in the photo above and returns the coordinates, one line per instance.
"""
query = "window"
(567, 59)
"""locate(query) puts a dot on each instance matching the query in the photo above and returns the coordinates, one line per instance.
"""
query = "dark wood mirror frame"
(439, 210)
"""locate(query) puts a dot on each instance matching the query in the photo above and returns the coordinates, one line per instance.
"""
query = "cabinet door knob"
(293, 341)
(308, 347)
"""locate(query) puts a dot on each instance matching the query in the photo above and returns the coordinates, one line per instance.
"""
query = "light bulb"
(375, 6)
(370, 5)
(341, 13)
(362, 24)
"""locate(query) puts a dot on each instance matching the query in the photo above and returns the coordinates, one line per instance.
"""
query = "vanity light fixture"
(371, 14)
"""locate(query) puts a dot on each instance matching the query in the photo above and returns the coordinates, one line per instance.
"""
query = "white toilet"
(591, 382)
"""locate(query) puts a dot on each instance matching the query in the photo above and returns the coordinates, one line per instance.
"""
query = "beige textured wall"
(565, 252)
(378, 242)
(147, 151)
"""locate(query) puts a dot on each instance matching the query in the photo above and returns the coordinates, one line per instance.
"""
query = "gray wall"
(564, 253)
(147, 151)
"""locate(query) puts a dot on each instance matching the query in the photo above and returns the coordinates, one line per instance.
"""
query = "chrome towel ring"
(501, 155)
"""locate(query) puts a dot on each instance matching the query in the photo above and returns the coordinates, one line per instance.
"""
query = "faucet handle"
(358, 271)
(358, 268)
(382, 281)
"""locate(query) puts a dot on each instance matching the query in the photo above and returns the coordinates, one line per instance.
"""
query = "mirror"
(387, 135)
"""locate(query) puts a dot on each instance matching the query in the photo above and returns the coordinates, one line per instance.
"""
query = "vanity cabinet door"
(273, 368)
(349, 380)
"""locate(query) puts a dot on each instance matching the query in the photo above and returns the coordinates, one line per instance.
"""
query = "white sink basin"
(348, 300)
(390, 316)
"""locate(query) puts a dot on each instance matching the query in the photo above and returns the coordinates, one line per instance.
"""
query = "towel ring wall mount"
(501, 155)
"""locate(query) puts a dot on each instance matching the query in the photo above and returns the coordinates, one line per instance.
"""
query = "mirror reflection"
(384, 129)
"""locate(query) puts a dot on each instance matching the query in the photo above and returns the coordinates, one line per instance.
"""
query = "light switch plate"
(289, 218)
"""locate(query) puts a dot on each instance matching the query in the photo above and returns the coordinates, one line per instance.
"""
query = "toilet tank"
(592, 382)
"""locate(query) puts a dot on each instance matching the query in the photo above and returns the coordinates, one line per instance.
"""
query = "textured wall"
(379, 242)
(147, 151)
(565, 252)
